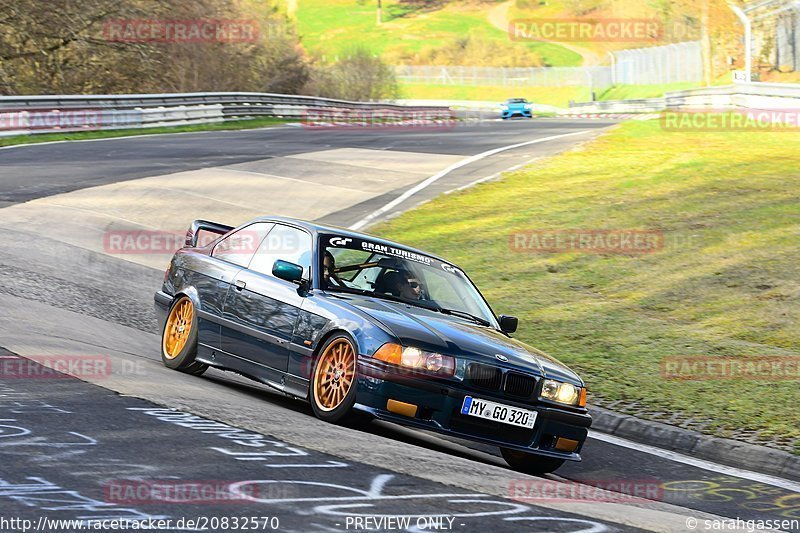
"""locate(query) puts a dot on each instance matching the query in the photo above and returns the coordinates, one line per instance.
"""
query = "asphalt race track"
(88, 448)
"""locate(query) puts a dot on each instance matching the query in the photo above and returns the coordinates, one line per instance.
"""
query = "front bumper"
(508, 113)
(439, 409)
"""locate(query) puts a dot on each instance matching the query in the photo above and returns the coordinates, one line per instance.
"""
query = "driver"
(412, 289)
(404, 285)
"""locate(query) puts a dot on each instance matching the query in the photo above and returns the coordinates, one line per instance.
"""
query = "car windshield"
(374, 269)
(517, 101)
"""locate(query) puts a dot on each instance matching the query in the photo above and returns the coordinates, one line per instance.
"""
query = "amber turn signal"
(389, 352)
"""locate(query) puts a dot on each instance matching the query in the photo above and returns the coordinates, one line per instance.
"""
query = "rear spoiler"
(204, 225)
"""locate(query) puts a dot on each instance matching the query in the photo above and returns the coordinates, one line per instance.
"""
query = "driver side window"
(286, 243)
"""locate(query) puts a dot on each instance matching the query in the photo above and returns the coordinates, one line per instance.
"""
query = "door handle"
(240, 285)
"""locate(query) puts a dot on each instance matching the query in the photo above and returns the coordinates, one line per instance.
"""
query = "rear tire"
(334, 380)
(179, 338)
(529, 463)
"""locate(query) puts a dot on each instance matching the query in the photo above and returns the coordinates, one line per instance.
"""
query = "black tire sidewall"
(345, 409)
(185, 358)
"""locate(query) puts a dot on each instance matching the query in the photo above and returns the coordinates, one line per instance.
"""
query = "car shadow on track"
(456, 447)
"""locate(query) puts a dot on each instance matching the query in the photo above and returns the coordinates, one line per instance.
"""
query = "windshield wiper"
(425, 304)
(464, 314)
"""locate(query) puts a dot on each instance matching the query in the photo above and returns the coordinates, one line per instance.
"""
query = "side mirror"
(287, 271)
(508, 324)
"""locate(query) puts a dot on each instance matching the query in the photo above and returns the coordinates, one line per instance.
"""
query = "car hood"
(429, 330)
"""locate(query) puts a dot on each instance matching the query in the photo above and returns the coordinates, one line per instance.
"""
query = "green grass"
(726, 283)
(625, 92)
(330, 27)
(557, 96)
(108, 134)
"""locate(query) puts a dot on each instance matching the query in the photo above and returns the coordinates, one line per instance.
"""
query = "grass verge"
(108, 134)
(557, 96)
(724, 285)
(627, 92)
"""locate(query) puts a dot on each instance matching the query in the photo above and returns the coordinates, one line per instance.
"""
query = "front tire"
(179, 338)
(332, 390)
(529, 463)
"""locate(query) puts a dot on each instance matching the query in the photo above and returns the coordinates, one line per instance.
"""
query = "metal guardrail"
(643, 105)
(779, 96)
(66, 113)
(762, 96)
(20, 115)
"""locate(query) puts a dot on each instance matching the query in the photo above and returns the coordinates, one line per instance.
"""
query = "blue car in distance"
(516, 106)
(349, 322)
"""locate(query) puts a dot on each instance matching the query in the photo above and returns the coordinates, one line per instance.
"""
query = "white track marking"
(698, 463)
(493, 176)
(436, 177)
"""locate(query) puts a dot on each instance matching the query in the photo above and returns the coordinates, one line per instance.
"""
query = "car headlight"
(566, 393)
(417, 359)
(503, 107)
(527, 106)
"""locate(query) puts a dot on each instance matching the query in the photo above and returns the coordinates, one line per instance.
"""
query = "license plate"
(498, 412)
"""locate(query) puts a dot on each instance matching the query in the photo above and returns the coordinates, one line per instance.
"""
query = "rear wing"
(204, 225)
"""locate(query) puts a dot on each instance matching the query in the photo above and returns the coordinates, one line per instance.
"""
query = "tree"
(718, 33)
(359, 76)
(64, 46)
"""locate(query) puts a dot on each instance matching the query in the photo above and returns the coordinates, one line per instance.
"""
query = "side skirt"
(289, 384)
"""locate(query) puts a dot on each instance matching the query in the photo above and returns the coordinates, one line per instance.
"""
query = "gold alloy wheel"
(334, 376)
(178, 328)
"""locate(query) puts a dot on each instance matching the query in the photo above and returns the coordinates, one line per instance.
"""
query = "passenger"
(329, 272)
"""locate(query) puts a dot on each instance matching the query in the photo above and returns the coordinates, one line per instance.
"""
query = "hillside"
(474, 33)
(411, 34)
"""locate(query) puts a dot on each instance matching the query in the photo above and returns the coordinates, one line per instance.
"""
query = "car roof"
(317, 229)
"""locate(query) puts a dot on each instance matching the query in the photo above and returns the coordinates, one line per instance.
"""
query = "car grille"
(490, 430)
(489, 377)
(484, 376)
(519, 385)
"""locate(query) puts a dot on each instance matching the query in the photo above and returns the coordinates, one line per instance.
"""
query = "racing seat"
(389, 282)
